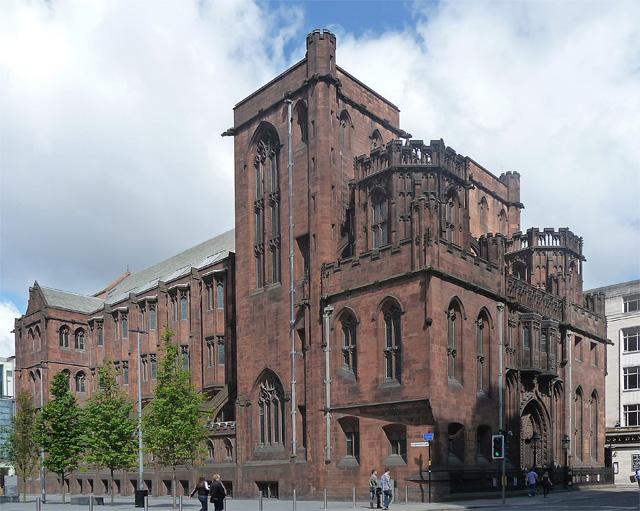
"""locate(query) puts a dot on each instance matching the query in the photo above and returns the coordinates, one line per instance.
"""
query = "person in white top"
(385, 483)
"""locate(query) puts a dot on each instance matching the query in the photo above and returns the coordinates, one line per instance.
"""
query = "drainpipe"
(292, 291)
(569, 338)
(327, 381)
(500, 307)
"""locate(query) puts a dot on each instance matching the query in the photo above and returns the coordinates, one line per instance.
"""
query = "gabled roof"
(70, 301)
(200, 256)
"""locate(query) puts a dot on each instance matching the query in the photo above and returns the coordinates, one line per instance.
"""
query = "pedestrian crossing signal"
(497, 441)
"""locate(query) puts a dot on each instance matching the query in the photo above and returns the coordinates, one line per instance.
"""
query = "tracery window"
(452, 217)
(64, 337)
(124, 322)
(392, 341)
(220, 295)
(184, 307)
(593, 430)
(79, 339)
(153, 317)
(482, 352)
(379, 219)
(578, 419)
(454, 342)
(266, 171)
(349, 343)
(80, 382)
(271, 412)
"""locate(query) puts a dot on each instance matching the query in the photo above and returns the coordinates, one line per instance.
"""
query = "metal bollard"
(353, 496)
(294, 499)
(325, 499)
(91, 502)
(260, 501)
(38, 504)
(406, 494)
(180, 502)
(146, 503)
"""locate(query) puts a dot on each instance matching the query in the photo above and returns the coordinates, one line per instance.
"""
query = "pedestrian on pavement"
(373, 487)
(638, 476)
(218, 493)
(202, 489)
(532, 480)
(385, 483)
(546, 484)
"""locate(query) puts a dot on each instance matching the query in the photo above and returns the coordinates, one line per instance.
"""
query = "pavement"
(619, 498)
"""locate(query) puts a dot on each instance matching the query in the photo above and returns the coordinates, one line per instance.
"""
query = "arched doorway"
(534, 436)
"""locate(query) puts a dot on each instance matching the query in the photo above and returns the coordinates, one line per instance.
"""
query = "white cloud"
(110, 130)
(8, 313)
(547, 89)
(110, 144)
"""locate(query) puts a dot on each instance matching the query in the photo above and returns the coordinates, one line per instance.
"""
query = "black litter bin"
(140, 495)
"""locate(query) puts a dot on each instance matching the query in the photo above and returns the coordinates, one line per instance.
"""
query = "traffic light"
(497, 441)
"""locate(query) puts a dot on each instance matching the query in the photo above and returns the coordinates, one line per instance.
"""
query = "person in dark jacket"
(218, 492)
(202, 489)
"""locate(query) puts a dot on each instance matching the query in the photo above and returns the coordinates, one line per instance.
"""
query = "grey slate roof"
(200, 256)
(70, 301)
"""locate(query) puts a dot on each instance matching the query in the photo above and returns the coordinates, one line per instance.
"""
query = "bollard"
(91, 502)
(325, 499)
(294, 499)
(406, 494)
(260, 502)
(146, 503)
(353, 496)
(180, 502)
(38, 504)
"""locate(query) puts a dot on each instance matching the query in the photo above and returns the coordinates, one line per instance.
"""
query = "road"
(609, 499)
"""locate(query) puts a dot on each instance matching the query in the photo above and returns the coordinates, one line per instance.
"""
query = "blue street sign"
(428, 437)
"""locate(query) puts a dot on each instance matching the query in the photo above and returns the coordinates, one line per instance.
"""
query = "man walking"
(373, 490)
(532, 480)
(638, 476)
(385, 483)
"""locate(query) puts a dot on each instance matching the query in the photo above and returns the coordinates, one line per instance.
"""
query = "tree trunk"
(24, 487)
(62, 486)
(111, 484)
(173, 487)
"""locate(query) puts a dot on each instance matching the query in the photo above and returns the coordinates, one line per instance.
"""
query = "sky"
(111, 113)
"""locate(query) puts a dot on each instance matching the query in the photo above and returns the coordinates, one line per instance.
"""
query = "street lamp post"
(43, 480)
(139, 499)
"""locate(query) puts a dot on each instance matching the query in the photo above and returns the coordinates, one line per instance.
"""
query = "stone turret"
(321, 53)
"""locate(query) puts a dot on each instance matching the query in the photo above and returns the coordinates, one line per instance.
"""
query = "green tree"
(109, 426)
(173, 429)
(21, 450)
(59, 430)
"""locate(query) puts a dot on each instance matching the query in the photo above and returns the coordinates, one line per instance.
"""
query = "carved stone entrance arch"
(534, 419)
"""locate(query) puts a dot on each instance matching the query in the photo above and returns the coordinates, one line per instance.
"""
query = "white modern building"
(622, 308)
(7, 406)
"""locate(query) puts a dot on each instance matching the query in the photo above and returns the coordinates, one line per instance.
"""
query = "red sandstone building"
(411, 277)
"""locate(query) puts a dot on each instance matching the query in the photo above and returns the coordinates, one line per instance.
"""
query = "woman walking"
(218, 493)
(202, 489)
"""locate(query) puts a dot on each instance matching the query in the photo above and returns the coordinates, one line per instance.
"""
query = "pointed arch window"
(482, 352)
(578, 419)
(210, 449)
(184, 307)
(79, 339)
(593, 429)
(271, 412)
(483, 208)
(345, 133)
(302, 121)
(63, 337)
(452, 216)
(502, 222)
(376, 139)
(81, 382)
(454, 342)
(349, 343)
(392, 341)
(266, 172)
(379, 219)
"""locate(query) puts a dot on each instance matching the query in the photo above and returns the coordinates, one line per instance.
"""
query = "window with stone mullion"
(480, 355)
(349, 347)
(271, 416)
(392, 345)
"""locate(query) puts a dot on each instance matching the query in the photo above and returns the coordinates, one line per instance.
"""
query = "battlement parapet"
(547, 238)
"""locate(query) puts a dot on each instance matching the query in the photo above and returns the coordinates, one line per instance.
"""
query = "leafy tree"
(110, 429)
(21, 450)
(173, 429)
(59, 430)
